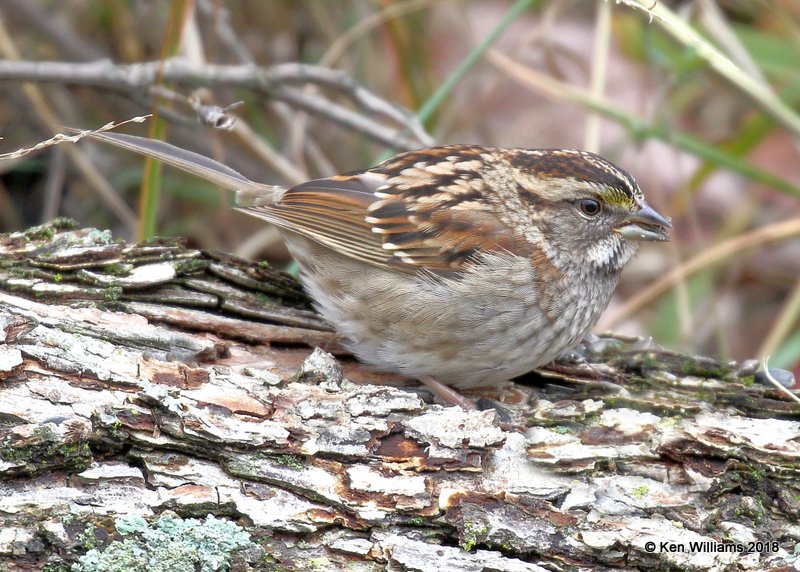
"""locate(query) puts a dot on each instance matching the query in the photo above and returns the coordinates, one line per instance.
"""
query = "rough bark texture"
(146, 387)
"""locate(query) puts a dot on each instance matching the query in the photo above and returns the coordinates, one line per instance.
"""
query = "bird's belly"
(469, 331)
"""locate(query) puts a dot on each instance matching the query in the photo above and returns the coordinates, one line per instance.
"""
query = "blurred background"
(649, 85)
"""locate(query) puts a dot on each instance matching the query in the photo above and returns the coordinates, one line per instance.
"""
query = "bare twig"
(298, 131)
(221, 17)
(272, 82)
(266, 153)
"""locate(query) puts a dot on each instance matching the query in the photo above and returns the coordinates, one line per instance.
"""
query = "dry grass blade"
(602, 40)
(705, 260)
(48, 117)
(338, 48)
(639, 127)
(782, 328)
(761, 93)
(77, 136)
(775, 383)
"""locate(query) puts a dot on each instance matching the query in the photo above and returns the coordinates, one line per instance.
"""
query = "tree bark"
(144, 387)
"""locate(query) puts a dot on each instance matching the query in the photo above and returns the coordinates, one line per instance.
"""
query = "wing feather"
(332, 212)
(403, 214)
(423, 209)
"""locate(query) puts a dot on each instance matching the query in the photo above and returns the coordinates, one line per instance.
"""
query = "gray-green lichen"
(473, 534)
(168, 545)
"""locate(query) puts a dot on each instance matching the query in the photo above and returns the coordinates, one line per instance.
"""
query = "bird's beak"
(645, 224)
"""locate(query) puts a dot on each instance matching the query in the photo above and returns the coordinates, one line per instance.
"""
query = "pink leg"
(447, 393)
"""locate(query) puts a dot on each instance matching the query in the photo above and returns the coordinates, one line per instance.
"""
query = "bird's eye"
(590, 207)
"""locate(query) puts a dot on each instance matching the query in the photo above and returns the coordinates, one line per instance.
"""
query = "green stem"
(443, 91)
(760, 92)
(152, 180)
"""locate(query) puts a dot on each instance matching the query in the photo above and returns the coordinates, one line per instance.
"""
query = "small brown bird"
(464, 265)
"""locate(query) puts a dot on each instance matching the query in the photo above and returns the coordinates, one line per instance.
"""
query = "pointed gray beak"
(645, 224)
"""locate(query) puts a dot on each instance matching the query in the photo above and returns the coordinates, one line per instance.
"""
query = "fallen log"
(163, 404)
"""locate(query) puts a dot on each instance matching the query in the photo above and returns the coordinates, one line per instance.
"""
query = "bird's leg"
(447, 393)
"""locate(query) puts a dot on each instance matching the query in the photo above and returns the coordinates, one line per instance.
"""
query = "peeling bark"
(156, 381)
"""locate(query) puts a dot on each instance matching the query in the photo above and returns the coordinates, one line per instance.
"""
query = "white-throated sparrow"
(465, 264)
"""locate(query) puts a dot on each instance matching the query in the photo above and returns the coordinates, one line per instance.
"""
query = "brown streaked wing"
(440, 237)
(439, 223)
(332, 212)
(436, 211)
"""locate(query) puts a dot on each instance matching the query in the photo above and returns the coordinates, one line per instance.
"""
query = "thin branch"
(271, 82)
(221, 18)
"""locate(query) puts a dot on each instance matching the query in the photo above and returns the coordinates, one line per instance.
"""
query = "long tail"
(248, 193)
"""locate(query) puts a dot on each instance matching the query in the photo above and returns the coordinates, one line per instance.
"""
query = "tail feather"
(247, 191)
